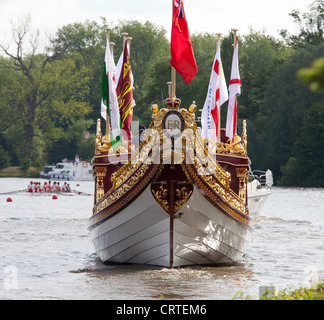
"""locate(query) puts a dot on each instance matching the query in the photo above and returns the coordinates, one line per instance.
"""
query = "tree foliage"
(310, 25)
(42, 94)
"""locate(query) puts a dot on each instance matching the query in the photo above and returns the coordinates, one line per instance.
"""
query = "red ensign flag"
(182, 55)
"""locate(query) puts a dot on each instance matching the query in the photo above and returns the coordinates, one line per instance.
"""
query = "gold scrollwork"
(161, 196)
(183, 195)
(99, 174)
(242, 174)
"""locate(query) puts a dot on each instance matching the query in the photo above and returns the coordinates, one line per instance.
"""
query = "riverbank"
(314, 293)
(16, 172)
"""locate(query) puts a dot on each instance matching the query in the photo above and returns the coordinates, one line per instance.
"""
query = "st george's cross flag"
(182, 55)
(234, 91)
(109, 101)
(216, 95)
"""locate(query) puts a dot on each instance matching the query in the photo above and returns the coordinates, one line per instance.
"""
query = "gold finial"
(155, 108)
(235, 37)
(124, 34)
(98, 137)
(111, 46)
(107, 30)
(129, 39)
(244, 136)
(193, 107)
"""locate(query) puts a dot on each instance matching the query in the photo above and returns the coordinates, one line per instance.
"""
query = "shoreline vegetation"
(18, 172)
(314, 293)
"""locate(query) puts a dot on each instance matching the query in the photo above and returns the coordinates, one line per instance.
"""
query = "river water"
(46, 252)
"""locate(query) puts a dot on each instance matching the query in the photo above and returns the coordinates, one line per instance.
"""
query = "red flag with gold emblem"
(125, 94)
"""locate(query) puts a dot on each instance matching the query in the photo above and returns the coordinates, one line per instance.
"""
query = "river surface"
(46, 251)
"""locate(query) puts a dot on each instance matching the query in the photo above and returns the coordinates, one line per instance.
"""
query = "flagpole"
(173, 80)
(234, 45)
(108, 34)
(129, 39)
(219, 111)
(107, 117)
(169, 88)
(111, 46)
(235, 37)
(124, 34)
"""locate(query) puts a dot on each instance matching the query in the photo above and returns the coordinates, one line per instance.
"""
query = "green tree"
(45, 94)
(314, 76)
(84, 43)
(306, 167)
(260, 57)
(284, 107)
(4, 158)
(310, 25)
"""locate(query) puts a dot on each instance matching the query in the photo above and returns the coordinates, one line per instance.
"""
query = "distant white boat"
(80, 171)
(258, 190)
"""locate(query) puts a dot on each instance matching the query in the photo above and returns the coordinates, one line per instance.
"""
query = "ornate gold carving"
(183, 196)
(99, 173)
(116, 193)
(192, 108)
(155, 108)
(161, 196)
(242, 174)
(215, 184)
(244, 137)
(173, 103)
(98, 137)
(161, 193)
(239, 146)
(112, 203)
(224, 198)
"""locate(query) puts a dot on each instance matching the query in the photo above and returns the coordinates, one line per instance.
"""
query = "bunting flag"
(234, 91)
(216, 96)
(182, 55)
(125, 94)
(109, 101)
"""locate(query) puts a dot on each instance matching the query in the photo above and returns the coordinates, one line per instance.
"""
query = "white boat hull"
(81, 171)
(257, 198)
(141, 233)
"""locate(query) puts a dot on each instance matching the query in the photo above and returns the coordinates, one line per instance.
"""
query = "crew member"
(30, 186)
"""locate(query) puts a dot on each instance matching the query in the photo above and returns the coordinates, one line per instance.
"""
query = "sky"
(212, 16)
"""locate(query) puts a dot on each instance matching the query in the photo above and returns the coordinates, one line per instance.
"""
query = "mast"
(220, 82)
(234, 45)
(107, 117)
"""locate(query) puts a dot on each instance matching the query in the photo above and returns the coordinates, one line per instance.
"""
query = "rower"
(30, 186)
(49, 188)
